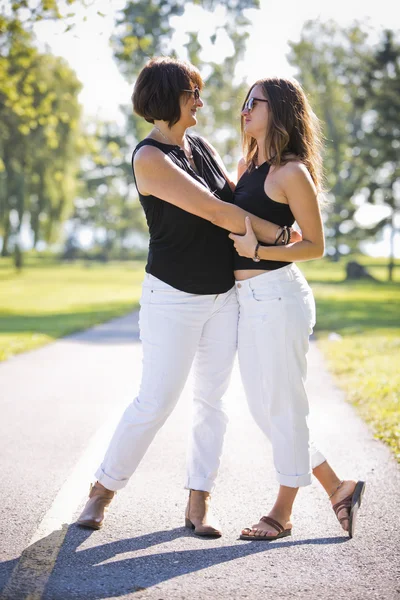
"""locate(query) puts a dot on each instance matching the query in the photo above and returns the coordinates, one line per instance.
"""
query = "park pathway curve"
(59, 405)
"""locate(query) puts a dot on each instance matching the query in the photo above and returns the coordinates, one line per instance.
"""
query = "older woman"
(279, 180)
(189, 310)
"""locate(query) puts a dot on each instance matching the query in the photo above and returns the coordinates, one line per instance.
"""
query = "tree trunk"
(18, 257)
(391, 255)
(336, 256)
(4, 250)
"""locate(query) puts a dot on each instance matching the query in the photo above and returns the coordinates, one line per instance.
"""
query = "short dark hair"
(159, 86)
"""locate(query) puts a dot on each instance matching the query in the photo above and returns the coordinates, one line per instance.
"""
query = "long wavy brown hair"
(293, 129)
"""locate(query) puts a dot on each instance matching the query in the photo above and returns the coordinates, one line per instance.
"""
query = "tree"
(144, 30)
(354, 88)
(39, 136)
(330, 63)
(107, 203)
(380, 147)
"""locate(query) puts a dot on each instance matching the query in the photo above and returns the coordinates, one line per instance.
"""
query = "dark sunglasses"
(249, 104)
(195, 92)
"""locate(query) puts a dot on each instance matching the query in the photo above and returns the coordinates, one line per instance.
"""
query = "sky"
(87, 49)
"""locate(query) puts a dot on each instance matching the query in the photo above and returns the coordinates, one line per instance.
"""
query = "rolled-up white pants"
(177, 328)
(277, 315)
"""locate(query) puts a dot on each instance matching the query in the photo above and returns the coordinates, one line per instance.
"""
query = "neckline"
(258, 167)
(176, 146)
(161, 143)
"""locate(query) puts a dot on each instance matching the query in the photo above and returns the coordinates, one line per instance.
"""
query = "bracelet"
(278, 235)
(256, 258)
(286, 237)
(285, 234)
(286, 241)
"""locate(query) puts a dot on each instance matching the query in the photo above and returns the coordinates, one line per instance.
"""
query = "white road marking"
(33, 570)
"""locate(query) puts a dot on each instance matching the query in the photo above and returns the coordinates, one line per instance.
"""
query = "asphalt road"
(59, 405)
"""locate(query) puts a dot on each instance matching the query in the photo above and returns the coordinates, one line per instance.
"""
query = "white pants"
(277, 315)
(177, 328)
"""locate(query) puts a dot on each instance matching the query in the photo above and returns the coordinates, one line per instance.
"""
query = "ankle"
(281, 514)
(99, 487)
(334, 488)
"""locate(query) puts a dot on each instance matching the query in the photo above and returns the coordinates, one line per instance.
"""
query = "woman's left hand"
(245, 245)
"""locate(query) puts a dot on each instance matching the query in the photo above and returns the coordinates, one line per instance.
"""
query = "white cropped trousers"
(277, 315)
(178, 329)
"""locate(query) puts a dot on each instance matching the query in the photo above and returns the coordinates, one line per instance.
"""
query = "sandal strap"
(275, 524)
(345, 503)
(343, 519)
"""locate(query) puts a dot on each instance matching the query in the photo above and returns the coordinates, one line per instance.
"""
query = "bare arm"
(300, 192)
(157, 175)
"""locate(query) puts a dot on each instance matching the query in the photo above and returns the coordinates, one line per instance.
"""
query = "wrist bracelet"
(279, 236)
(285, 239)
(279, 233)
(256, 258)
(286, 235)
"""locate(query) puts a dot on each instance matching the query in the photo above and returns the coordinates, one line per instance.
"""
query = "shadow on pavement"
(83, 574)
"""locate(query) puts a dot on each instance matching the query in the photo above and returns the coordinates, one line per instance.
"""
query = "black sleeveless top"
(250, 195)
(186, 251)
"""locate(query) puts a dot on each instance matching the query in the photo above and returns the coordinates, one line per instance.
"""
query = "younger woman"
(279, 180)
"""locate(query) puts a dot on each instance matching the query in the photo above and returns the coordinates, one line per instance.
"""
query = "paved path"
(59, 405)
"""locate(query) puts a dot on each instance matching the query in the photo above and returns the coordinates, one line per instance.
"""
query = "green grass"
(365, 355)
(48, 300)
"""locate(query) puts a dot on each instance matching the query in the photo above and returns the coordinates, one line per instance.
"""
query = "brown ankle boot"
(198, 515)
(99, 500)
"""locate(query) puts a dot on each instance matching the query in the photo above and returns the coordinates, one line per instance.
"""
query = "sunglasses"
(195, 92)
(249, 104)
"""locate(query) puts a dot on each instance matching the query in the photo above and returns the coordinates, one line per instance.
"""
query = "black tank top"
(250, 195)
(186, 251)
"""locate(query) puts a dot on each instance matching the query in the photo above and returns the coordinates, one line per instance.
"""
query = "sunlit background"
(83, 36)
(73, 239)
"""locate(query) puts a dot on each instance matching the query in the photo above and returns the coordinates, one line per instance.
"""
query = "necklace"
(188, 155)
(266, 161)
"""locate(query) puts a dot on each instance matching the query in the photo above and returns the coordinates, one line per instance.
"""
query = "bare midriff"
(243, 274)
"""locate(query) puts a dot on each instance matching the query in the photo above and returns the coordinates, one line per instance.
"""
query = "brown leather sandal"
(270, 521)
(351, 503)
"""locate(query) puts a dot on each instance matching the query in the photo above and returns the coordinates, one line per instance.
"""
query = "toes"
(345, 525)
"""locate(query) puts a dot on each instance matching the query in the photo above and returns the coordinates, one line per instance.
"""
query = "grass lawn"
(48, 300)
(365, 355)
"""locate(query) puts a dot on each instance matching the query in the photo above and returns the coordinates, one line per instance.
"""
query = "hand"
(295, 236)
(245, 245)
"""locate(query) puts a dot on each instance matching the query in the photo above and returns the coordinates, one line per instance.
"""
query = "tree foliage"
(144, 30)
(107, 203)
(39, 135)
(354, 89)
(381, 144)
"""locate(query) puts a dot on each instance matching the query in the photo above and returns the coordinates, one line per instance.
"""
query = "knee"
(149, 408)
